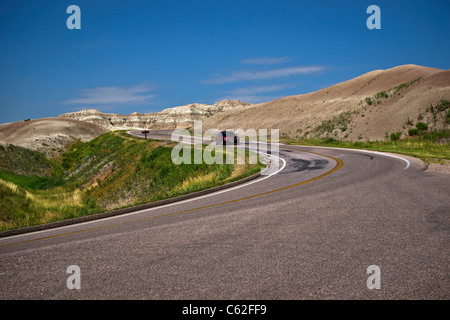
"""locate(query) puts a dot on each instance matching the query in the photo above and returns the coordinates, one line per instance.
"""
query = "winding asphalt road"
(309, 231)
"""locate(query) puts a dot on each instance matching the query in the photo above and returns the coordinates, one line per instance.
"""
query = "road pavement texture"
(311, 231)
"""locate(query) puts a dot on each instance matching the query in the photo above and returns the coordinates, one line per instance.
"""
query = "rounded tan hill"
(299, 114)
(47, 135)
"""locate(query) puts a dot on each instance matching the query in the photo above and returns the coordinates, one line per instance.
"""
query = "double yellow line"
(339, 164)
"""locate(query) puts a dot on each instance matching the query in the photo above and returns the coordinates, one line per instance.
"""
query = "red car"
(227, 138)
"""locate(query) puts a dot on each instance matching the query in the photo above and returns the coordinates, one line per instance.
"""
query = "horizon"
(148, 56)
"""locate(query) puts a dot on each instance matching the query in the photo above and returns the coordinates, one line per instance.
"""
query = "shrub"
(381, 94)
(413, 132)
(443, 105)
(421, 126)
(369, 101)
(325, 126)
(395, 136)
(330, 140)
(91, 202)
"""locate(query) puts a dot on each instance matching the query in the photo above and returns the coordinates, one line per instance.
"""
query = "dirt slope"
(47, 135)
(303, 115)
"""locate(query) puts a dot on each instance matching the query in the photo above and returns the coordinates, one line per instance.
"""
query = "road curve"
(308, 232)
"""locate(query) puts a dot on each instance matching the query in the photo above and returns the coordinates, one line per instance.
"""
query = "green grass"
(31, 182)
(328, 126)
(405, 85)
(431, 147)
(110, 172)
(23, 161)
(378, 97)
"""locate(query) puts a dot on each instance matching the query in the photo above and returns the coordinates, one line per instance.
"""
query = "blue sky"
(144, 56)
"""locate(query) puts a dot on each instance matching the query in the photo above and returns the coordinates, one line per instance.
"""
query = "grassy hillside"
(23, 161)
(112, 171)
(429, 146)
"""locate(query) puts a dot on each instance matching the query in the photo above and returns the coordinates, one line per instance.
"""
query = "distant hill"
(52, 135)
(48, 135)
(170, 118)
(366, 107)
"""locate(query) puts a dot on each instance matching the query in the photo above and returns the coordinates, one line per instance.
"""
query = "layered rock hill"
(51, 136)
(170, 118)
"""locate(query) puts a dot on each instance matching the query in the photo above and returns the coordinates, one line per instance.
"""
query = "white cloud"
(113, 95)
(269, 74)
(266, 60)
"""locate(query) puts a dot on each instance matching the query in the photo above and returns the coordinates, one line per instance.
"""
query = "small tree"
(413, 132)
(421, 126)
(395, 136)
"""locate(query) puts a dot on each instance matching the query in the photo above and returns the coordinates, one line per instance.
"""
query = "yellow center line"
(339, 164)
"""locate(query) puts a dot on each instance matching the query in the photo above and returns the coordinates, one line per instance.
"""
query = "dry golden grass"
(9, 185)
(196, 181)
(52, 203)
